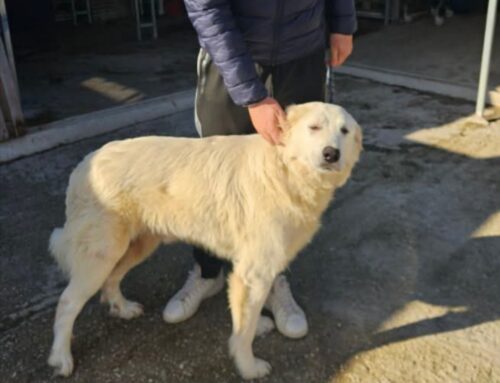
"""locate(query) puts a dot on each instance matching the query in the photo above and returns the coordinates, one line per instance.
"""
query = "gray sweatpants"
(295, 82)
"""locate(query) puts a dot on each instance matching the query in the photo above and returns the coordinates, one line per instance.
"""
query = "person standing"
(256, 58)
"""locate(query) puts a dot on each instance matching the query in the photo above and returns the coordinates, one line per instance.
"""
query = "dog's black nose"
(331, 154)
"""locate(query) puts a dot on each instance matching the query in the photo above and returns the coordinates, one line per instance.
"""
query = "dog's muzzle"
(331, 154)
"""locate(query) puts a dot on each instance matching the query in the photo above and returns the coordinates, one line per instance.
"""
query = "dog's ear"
(344, 175)
(358, 137)
(293, 114)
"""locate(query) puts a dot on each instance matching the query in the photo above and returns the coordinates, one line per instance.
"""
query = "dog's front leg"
(247, 294)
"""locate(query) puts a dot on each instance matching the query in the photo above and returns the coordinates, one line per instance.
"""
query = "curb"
(72, 129)
(406, 80)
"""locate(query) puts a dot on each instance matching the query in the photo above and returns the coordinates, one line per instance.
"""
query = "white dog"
(252, 203)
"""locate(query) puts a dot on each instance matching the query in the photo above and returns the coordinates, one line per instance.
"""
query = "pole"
(6, 37)
(138, 9)
(486, 57)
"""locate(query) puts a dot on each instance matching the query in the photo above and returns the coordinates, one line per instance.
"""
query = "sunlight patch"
(416, 311)
(462, 136)
(490, 228)
(112, 90)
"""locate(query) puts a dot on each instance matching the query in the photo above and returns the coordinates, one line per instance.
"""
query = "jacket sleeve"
(341, 16)
(219, 35)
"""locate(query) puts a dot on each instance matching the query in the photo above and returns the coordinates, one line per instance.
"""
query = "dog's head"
(324, 137)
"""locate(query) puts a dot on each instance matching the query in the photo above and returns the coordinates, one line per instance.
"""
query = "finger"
(276, 139)
(279, 117)
(277, 109)
(267, 137)
(342, 57)
(345, 54)
(270, 133)
(335, 56)
(276, 135)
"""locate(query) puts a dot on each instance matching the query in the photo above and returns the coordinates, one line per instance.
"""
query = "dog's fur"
(249, 202)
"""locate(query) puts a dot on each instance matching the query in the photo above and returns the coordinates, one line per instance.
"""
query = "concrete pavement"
(400, 285)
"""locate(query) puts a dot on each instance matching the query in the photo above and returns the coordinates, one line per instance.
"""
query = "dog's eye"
(315, 127)
(344, 130)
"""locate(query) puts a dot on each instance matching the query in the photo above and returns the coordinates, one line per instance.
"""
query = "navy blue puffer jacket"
(238, 33)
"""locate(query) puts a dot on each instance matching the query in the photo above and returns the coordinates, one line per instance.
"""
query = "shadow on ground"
(401, 284)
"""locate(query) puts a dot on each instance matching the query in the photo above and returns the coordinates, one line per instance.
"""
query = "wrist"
(340, 36)
(332, 34)
(257, 103)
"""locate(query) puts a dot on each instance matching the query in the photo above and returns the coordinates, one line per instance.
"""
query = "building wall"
(31, 22)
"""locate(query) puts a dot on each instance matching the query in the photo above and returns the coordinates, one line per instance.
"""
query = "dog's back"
(140, 181)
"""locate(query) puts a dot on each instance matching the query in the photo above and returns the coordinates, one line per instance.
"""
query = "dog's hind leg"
(87, 277)
(247, 294)
(138, 251)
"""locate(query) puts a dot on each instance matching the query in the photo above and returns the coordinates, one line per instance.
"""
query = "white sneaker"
(185, 303)
(289, 317)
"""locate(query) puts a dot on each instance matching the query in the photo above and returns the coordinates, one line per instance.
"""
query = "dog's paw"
(62, 363)
(126, 309)
(255, 370)
(264, 326)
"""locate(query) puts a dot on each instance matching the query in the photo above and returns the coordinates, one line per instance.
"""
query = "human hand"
(340, 48)
(266, 116)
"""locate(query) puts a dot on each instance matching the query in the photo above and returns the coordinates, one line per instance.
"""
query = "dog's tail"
(59, 247)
